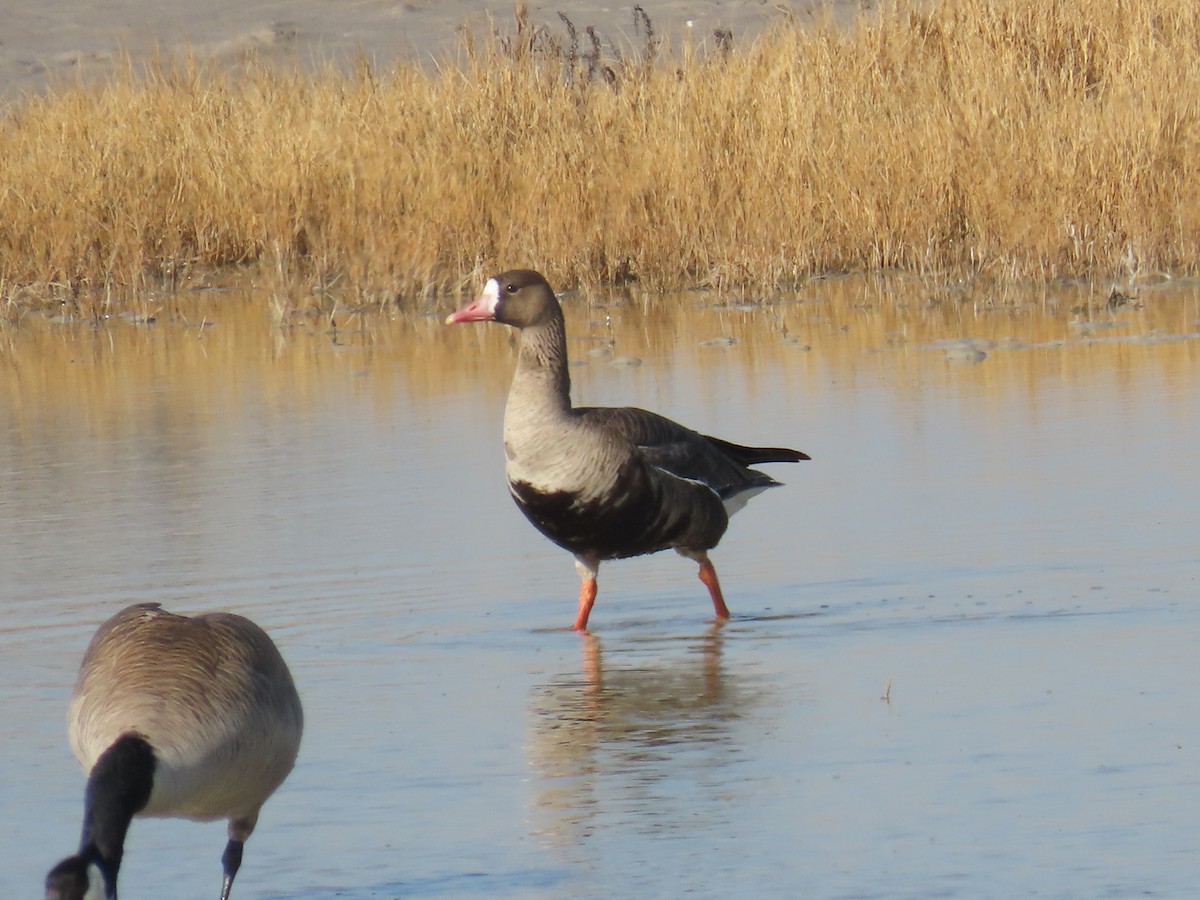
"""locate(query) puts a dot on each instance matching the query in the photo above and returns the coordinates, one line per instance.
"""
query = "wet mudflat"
(961, 664)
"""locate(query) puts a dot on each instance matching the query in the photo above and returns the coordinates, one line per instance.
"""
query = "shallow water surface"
(961, 663)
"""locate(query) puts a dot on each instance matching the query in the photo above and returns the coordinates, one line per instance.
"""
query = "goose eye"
(510, 289)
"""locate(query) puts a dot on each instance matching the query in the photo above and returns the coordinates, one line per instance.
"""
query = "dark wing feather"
(749, 456)
(685, 453)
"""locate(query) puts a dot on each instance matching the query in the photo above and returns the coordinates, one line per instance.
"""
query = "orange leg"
(708, 575)
(587, 596)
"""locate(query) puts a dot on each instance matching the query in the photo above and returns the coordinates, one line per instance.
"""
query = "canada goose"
(175, 716)
(607, 483)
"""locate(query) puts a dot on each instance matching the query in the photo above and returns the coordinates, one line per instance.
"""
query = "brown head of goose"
(601, 482)
(174, 716)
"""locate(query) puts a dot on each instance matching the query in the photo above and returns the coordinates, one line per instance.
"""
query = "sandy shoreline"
(56, 40)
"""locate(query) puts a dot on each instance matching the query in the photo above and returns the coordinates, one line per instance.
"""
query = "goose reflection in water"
(635, 745)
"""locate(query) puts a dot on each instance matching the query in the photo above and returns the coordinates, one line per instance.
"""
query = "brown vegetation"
(1008, 138)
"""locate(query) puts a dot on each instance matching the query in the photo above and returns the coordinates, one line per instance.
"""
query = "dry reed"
(1008, 138)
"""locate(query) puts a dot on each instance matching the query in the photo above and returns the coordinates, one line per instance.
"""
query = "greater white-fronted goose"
(608, 483)
(172, 716)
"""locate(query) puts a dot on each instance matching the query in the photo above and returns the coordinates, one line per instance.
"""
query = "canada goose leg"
(588, 569)
(708, 575)
(231, 859)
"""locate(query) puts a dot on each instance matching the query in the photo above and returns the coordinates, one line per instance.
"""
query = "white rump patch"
(737, 501)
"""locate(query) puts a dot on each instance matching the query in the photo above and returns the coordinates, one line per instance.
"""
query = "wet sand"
(58, 40)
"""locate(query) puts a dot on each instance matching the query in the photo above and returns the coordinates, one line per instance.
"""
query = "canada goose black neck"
(118, 788)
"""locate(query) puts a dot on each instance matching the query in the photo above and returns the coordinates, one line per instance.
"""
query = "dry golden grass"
(1008, 138)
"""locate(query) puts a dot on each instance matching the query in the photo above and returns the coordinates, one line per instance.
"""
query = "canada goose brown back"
(191, 717)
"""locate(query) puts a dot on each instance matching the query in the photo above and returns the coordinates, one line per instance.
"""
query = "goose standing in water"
(608, 483)
(195, 718)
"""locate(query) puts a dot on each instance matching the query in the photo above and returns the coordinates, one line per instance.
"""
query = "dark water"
(962, 661)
